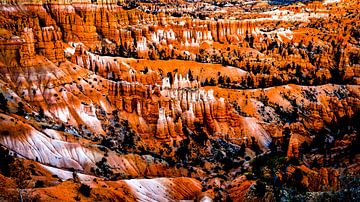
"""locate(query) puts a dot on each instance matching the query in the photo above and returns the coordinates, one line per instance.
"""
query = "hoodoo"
(107, 100)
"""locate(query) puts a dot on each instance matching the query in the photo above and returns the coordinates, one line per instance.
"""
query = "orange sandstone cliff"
(130, 101)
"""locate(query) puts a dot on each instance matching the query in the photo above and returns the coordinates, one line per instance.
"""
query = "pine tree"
(220, 80)
(212, 82)
(21, 110)
(41, 113)
(191, 77)
(3, 103)
(206, 82)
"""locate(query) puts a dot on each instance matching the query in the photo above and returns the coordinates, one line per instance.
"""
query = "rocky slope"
(111, 100)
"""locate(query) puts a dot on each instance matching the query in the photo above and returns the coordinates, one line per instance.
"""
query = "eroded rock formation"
(210, 100)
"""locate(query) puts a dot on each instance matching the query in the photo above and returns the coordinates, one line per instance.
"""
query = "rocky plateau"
(104, 100)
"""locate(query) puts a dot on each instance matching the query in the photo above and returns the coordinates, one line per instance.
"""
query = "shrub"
(3, 103)
(85, 190)
(21, 110)
(39, 184)
(260, 188)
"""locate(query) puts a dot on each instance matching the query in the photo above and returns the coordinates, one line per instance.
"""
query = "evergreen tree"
(41, 113)
(21, 110)
(212, 82)
(228, 81)
(191, 77)
(3, 103)
(220, 80)
(206, 82)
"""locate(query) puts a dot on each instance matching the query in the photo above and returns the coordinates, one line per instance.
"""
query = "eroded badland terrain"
(105, 100)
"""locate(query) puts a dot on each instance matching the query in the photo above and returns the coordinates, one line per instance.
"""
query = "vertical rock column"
(162, 126)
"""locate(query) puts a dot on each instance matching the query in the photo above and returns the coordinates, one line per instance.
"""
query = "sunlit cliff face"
(174, 100)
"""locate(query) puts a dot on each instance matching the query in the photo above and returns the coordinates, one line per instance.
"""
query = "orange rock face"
(177, 100)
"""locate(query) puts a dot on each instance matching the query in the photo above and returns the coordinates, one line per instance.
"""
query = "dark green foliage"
(103, 169)
(220, 80)
(212, 82)
(304, 147)
(255, 146)
(236, 106)
(183, 150)
(3, 103)
(41, 113)
(228, 80)
(145, 70)
(286, 116)
(242, 150)
(201, 136)
(85, 190)
(120, 137)
(20, 173)
(39, 184)
(6, 160)
(354, 147)
(295, 180)
(260, 188)
(128, 135)
(271, 161)
(21, 110)
(205, 83)
(264, 99)
(293, 161)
